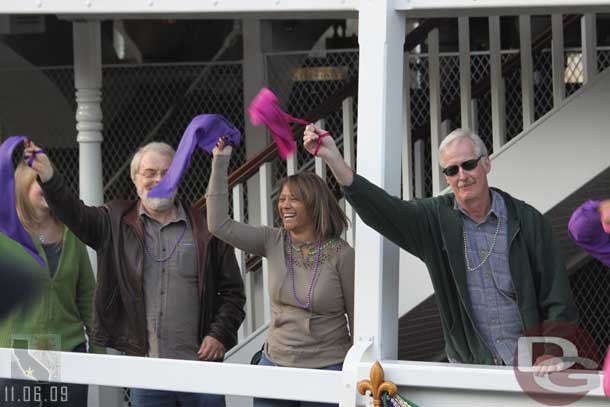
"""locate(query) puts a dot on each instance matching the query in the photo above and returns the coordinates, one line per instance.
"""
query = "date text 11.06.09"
(26, 394)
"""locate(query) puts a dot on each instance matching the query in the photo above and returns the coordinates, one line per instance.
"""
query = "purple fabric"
(204, 131)
(586, 230)
(9, 221)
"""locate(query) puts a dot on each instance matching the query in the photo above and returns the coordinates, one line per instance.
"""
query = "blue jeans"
(162, 398)
(260, 402)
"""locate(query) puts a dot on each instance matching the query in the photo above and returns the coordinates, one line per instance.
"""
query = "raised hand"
(220, 148)
(312, 136)
(40, 161)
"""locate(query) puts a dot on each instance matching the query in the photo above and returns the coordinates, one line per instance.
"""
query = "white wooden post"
(527, 70)
(254, 36)
(350, 159)
(589, 46)
(320, 166)
(381, 36)
(558, 56)
(247, 327)
(498, 109)
(88, 83)
(434, 72)
(420, 165)
(292, 165)
(266, 187)
(407, 154)
(465, 81)
(474, 115)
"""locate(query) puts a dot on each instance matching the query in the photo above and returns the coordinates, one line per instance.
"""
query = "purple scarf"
(204, 131)
(9, 221)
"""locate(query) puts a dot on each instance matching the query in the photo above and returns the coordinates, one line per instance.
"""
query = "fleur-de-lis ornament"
(377, 386)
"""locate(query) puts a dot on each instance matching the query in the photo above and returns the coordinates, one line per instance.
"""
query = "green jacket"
(433, 231)
(63, 304)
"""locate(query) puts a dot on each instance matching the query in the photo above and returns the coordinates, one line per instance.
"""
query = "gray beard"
(158, 204)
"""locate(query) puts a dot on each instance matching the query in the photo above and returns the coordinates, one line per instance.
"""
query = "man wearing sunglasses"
(493, 260)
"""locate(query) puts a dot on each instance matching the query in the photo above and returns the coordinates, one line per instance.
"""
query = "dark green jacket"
(432, 230)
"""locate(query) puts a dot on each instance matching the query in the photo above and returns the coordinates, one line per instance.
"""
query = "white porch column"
(253, 73)
(381, 37)
(88, 84)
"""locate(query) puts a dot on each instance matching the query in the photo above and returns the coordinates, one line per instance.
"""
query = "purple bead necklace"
(307, 305)
(171, 253)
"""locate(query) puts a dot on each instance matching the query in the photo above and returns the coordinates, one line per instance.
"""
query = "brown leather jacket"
(116, 233)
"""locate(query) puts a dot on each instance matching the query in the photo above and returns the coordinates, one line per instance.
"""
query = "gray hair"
(479, 147)
(156, 146)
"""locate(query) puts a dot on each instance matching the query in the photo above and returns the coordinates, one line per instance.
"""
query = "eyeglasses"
(466, 166)
(152, 174)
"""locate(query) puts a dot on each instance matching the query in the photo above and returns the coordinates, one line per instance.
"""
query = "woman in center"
(311, 270)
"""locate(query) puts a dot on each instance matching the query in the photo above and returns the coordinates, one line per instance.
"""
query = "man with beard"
(493, 260)
(165, 287)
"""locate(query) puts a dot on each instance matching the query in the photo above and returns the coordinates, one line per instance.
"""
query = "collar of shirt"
(497, 208)
(180, 217)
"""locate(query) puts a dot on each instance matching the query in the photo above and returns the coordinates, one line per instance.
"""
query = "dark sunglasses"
(466, 166)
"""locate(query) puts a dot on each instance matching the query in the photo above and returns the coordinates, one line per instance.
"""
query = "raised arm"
(329, 152)
(585, 228)
(403, 222)
(251, 239)
(90, 224)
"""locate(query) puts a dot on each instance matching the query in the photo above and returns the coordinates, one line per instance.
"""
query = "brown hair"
(24, 178)
(328, 219)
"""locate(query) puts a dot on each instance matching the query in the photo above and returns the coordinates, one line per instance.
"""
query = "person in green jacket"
(60, 315)
(495, 265)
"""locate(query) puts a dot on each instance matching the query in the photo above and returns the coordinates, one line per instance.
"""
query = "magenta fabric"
(204, 131)
(607, 374)
(265, 109)
(9, 221)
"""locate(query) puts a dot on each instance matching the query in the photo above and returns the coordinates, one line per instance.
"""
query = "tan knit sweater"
(297, 337)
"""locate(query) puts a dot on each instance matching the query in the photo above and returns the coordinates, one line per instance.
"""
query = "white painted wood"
(291, 165)
(438, 181)
(88, 84)
(380, 129)
(498, 107)
(558, 59)
(589, 45)
(407, 154)
(419, 167)
(465, 77)
(266, 188)
(350, 158)
(144, 7)
(256, 39)
(247, 327)
(527, 70)
(474, 115)
(320, 166)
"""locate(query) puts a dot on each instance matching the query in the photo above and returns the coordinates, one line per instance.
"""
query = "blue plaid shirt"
(492, 294)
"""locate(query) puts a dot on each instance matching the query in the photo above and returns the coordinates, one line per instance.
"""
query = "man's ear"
(486, 164)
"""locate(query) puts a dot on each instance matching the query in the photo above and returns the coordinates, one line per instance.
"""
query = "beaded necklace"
(493, 244)
(307, 305)
(171, 253)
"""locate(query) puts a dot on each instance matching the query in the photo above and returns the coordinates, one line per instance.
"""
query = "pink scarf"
(265, 109)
